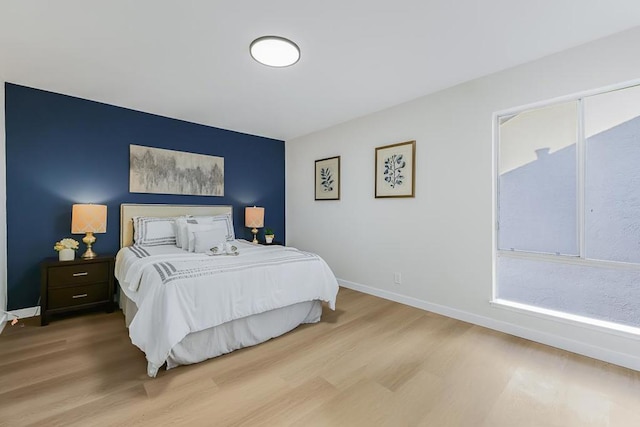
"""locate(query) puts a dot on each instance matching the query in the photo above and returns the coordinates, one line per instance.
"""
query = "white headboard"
(130, 210)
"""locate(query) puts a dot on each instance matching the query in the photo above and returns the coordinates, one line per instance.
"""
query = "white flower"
(66, 243)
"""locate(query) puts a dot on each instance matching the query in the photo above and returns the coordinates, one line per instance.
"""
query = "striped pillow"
(151, 231)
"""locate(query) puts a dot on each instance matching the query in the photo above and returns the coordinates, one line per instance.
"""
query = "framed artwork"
(328, 179)
(155, 170)
(395, 170)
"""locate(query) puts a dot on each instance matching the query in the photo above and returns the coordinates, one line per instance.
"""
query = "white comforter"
(178, 292)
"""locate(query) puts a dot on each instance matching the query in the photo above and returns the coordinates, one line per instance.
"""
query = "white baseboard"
(580, 347)
(3, 321)
(23, 313)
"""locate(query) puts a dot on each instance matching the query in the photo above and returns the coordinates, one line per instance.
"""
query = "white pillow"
(218, 227)
(184, 233)
(226, 218)
(205, 240)
(180, 227)
(151, 231)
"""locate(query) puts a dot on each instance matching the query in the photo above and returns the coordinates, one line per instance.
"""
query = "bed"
(185, 307)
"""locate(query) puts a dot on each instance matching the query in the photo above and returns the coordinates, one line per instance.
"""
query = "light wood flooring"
(370, 363)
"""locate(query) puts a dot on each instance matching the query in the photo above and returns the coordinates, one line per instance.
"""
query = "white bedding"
(178, 293)
(251, 330)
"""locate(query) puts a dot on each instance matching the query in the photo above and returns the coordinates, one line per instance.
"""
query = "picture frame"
(161, 171)
(327, 178)
(395, 167)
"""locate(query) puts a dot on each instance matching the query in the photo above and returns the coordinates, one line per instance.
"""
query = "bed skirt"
(199, 346)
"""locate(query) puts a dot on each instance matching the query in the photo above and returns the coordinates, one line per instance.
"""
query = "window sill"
(570, 319)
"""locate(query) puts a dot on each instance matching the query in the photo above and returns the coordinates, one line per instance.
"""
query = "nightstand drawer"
(77, 295)
(78, 274)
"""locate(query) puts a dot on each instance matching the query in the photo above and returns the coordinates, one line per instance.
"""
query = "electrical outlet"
(397, 278)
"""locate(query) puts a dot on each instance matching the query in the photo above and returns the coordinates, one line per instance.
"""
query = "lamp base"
(255, 234)
(89, 240)
(89, 254)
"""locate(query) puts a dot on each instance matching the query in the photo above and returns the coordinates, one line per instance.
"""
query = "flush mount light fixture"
(275, 51)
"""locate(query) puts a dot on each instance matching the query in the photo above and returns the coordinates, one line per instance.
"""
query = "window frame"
(581, 173)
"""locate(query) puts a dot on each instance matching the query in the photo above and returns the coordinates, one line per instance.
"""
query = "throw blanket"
(177, 292)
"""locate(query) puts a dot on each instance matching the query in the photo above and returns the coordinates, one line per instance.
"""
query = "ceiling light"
(275, 51)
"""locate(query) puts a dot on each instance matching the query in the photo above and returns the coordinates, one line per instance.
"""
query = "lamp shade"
(254, 217)
(88, 218)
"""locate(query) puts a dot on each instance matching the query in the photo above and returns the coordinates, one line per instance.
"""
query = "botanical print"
(395, 170)
(327, 181)
(154, 170)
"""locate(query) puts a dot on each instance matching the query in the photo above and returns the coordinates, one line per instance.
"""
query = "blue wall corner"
(62, 150)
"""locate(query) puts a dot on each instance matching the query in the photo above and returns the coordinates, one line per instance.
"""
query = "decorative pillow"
(226, 218)
(180, 227)
(218, 227)
(205, 240)
(184, 233)
(151, 231)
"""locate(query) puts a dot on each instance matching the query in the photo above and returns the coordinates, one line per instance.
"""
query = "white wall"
(3, 212)
(441, 241)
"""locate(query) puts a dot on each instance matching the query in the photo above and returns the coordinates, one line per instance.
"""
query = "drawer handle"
(84, 273)
(79, 296)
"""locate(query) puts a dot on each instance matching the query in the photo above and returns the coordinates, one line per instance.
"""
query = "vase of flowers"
(66, 249)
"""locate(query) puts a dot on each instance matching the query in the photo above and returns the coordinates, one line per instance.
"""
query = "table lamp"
(89, 219)
(254, 218)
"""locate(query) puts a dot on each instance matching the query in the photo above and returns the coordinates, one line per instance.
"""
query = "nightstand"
(272, 243)
(75, 285)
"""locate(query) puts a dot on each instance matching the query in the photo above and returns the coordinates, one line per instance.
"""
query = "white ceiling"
(190, 59)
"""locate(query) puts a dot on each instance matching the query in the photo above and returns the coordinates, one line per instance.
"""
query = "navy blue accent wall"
(63, 150)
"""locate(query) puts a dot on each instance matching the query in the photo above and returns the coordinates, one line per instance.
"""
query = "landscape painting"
(155, 170)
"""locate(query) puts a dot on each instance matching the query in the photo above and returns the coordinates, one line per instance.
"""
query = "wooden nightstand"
(75, 285)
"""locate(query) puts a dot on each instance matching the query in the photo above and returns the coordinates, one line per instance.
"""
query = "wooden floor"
(370, 363)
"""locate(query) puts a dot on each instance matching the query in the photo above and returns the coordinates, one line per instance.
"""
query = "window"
(537, 181)
(568, 206)
(612, 178)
